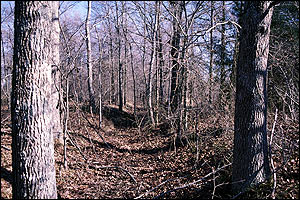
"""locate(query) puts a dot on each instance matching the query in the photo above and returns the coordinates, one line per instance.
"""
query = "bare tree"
(152, 64)
(175, 71)
(89, 59)
(111, 58)
(100, 77)
(118, 27)
(211, 61)
(56, 76)
(31, 111)
(125, 34)
(222, 67)
(133, 78)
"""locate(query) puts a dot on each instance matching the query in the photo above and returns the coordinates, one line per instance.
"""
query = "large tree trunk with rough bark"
(250, 159)
(32, 137)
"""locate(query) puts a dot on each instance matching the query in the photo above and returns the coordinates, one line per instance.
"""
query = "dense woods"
(150, 99)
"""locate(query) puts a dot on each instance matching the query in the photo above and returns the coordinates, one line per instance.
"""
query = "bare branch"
(193, 183)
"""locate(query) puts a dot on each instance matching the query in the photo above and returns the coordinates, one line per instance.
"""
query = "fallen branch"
(93, 126)
(193, 183)
(74, 144)
(90, 139)
(116, 167)
(166, 181)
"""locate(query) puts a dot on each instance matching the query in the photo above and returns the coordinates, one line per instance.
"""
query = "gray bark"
(89, 59)
(222, 67)
(119, 60)
(160, 70)
(32, 136)
(100, 78)
(125, 30)
(133, 78)
(111, 58)
(250, 159)
(211, 62)
(152, 62)
(56, 84)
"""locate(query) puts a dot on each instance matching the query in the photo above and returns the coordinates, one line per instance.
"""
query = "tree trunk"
(133, 77)
(56, 76)
(124, 26)
(150, 91)
(175, 71)
(250, 153)
(66, 119)
(160, 70)
(32, 135)
(233, 72)
(111, 58)
(160, 65)
(183, 88)
(144, 58)
(222, 70)
(100, 78)
(119, 60)
(211, 62)
(152, 61)
(89, 59)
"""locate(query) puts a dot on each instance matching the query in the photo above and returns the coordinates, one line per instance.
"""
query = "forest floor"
(142, 162)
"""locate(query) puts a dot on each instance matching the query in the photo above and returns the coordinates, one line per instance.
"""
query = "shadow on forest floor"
(120, 119)
(165, 148)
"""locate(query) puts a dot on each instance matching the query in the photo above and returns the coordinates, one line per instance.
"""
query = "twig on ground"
(166, 181)
(116, 167)
(193, 183)
(90, 139)
(74, 144)
(93, 126)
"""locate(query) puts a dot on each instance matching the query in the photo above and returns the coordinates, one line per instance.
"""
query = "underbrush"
(141, 162)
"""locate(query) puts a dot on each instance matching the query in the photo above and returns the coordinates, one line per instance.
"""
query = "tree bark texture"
(250, 159)
(32, 138)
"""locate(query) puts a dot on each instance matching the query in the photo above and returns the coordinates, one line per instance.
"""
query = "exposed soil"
(142, 163)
